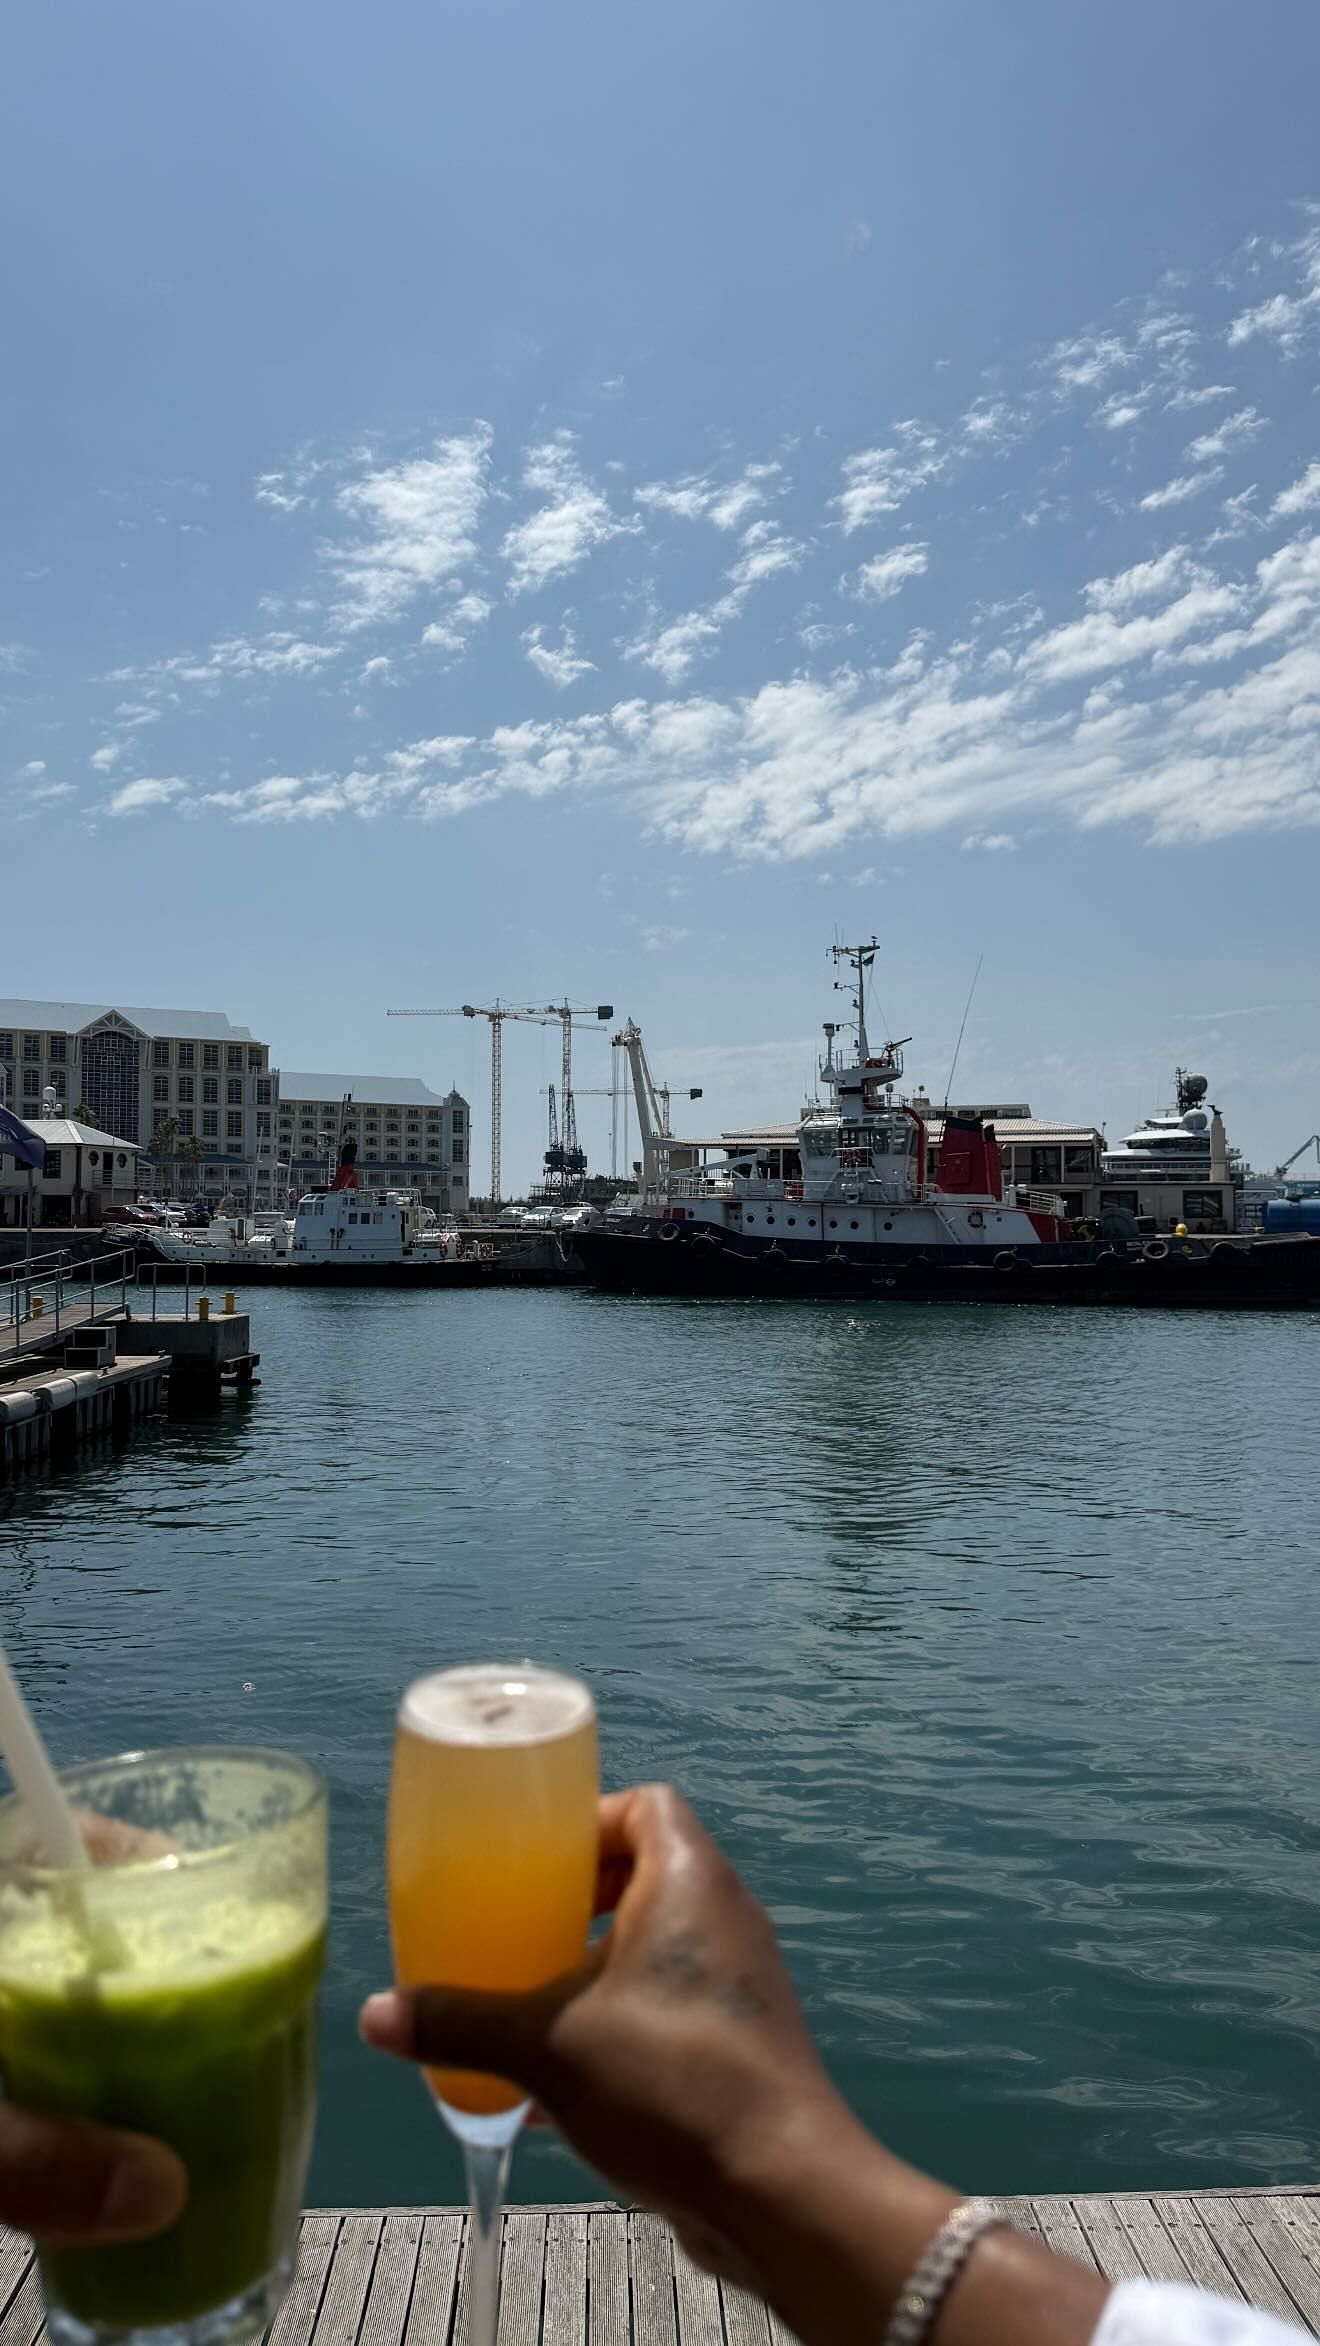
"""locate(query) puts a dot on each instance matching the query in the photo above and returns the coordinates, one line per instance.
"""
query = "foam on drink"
(492, 1704)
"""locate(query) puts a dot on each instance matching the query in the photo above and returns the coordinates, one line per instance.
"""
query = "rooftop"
(366, 1091)
(65, 1132)
(69, 1017)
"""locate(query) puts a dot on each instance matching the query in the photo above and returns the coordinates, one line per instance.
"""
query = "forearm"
(831, 2226)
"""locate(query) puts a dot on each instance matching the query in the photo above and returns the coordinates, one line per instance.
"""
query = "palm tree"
(163, 1142)
(192, 1153)
(82, 1114)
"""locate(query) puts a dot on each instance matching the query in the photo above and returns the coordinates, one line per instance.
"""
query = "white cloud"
(377, 671)
(454, 632)
(660, 936)
(1177, 491)
(103, 760)
(135, 797)
(419, 520)
(1143, 583)
(1199, 395)
(697, 498)
(888, 573)
(672, 648)
(1103, 640)
(561, 666)
(1303, 494)
(1084, 363)
(879, 480)
(575, 519)
(46, 793)
(35, 767)
(1285, 317)
(990, 843)
(1231, 433)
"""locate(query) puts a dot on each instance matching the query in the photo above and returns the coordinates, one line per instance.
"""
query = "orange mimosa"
(492, 1840)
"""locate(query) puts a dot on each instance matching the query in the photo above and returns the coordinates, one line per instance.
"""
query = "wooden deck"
(604, 2276)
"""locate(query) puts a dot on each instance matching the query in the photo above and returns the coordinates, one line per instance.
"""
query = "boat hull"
(556, 1271)
(1243, 1274)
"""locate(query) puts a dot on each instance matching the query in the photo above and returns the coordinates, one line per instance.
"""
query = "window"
(457, 1151)
(1124, 1199)
(458, 1119)
(58, 1081)
(160, 1090)
(59, 1046)
(256, 1058)
(1202, 1205)
(210, 1054)
(53, 1166)
(185, 1123)
(1078, 1163)
(234, 1124)
(1044, 1168)
(185, 1054)
(234, 1091)
(234, 1055)
(210, 1124)
(263, 1128)
(6, 1046)
(210, 1089)
(160, 1052)
(186, 1091)
(31, 1046)
(32, 1083)
(263, 1091)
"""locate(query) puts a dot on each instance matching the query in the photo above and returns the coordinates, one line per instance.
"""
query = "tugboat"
(849, 1213)
(345, 1236)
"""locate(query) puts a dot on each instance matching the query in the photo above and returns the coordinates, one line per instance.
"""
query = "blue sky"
(603, 501)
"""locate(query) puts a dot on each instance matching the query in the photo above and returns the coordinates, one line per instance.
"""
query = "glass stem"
(487, 2179)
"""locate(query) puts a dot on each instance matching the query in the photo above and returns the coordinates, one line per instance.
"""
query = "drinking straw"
(35, 1781)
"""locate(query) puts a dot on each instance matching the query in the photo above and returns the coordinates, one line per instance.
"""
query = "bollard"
(38, 1307)
(203, 1307)
(229, 1299)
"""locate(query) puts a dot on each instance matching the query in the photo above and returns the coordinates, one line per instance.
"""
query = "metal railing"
(36, 1295)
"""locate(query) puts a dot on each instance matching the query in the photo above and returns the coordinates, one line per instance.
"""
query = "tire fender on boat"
(1005, 1259)
(667, 1233)
(1155, 1250)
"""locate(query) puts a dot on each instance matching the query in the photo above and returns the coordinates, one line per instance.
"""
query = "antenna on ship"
(961, 1032)
(861, 957)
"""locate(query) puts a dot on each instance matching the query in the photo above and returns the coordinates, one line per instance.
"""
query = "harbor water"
(986, 1640)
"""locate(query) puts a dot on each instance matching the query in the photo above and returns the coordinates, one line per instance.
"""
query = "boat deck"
(599, 2275)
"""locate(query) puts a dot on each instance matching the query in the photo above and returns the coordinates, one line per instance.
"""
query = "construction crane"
(1281, 1171)
(652, 1108)
(547, 1014)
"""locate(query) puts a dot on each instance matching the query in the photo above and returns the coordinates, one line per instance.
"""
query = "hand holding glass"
(172, 1991)
(492, 1871)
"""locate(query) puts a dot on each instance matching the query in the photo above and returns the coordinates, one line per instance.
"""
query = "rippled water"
(987, 1641)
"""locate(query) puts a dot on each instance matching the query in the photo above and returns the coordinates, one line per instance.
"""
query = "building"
(85, 1171)
(407, 1136)
(136, 1070)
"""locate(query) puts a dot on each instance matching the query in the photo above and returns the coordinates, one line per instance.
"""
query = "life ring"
(1006, 1259)
(668, 1232)
(1155, 1250)
(1083, 1232)
(976, 1219)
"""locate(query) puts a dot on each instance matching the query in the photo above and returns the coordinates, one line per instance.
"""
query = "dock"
(602, 2275)
(76, 1363)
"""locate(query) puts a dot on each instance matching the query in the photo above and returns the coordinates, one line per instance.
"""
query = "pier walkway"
(600, 2275)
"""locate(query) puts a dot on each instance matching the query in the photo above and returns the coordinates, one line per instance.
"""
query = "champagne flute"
(492, 1870)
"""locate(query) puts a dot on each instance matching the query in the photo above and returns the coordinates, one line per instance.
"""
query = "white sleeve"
(1164, 2313)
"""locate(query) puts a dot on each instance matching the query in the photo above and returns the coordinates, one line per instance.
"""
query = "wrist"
(826, 2222)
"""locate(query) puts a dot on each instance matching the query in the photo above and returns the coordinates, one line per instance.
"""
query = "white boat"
(228, 1241)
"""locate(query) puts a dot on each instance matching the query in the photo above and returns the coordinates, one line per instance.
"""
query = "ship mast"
(861, 958)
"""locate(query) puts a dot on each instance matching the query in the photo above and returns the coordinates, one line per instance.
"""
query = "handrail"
(51, 1276)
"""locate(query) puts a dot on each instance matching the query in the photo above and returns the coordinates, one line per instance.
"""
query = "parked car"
(138, 1214)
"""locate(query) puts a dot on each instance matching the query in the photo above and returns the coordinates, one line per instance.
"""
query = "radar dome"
(1196, 1086)
(1196, 1120)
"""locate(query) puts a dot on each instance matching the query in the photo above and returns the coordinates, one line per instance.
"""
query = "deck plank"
(1285, 2253)
(389, 2292)
(27, 2314)
(651, 2261)
(15, 2257)
(564, 2320)
(1111, 2246)
(522, 2277)
(294, 2323)
(1206, 2268)
(1060, 2230)
(697, 2303)
(432, 2307)
(1157, 2252)
(1251, 2269)
(349, 2279)
(608, 2322)
(746, 2321)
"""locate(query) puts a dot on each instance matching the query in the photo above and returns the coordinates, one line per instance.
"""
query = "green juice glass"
(171, 1988)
